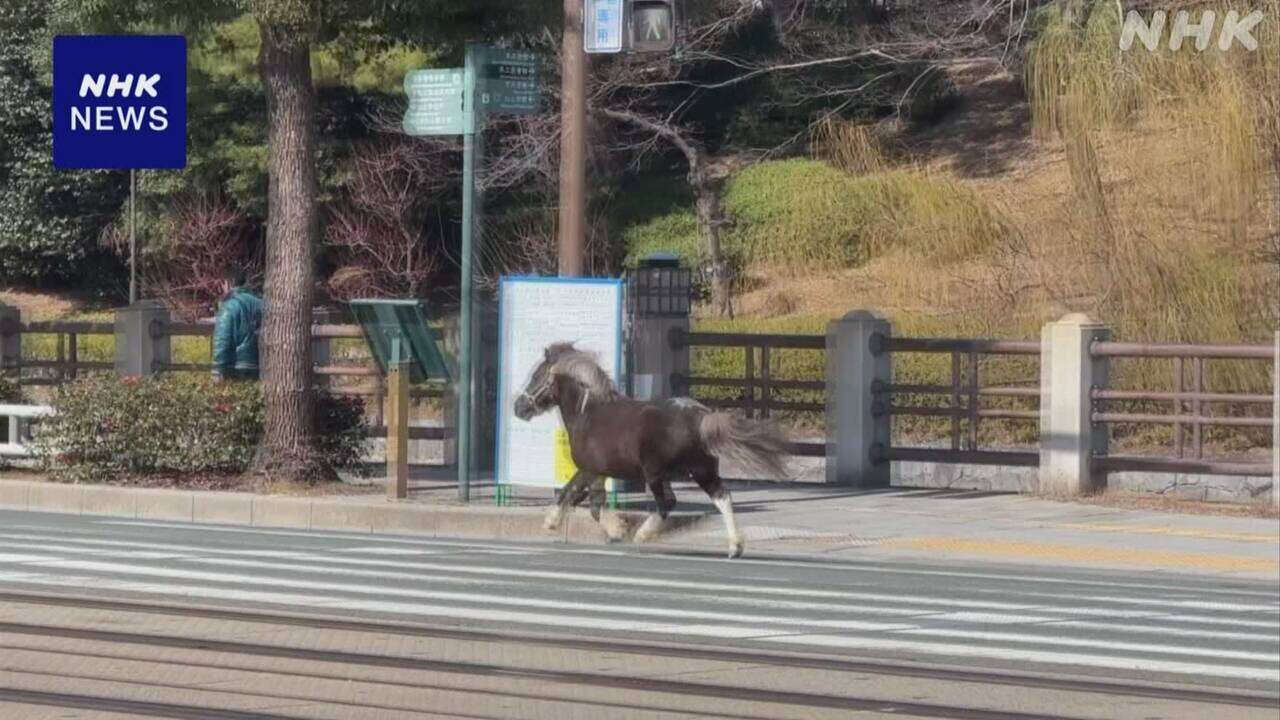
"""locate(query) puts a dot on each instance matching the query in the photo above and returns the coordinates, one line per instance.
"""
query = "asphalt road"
(115, 618)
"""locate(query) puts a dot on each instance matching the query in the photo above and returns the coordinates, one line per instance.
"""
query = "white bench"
(19, 419)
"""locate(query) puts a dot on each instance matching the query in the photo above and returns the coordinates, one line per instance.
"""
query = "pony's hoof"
(552, 521)
(735, 550)
(612, 527)
(649, 529)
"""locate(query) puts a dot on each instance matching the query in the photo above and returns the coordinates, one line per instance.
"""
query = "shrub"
(339, 422)
(10, 391)
(106, 427)
(801, 213)
(932, 95)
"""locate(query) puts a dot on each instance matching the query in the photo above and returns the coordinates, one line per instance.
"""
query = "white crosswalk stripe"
(1230, 631)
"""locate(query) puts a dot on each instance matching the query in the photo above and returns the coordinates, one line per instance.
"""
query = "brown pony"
(611, 435)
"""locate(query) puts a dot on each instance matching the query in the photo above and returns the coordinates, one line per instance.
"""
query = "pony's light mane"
(582, 367)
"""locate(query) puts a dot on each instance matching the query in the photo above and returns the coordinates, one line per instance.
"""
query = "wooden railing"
(964, 396)
(967, 405)
(758, 393)
(360, 378)
(1189, 407)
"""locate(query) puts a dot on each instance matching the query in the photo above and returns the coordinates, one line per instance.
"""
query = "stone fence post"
(10, 338)
(1068, 437)
(322, 348)
(855, 365)
(142, 338)
(1275, 427)
(660, 362)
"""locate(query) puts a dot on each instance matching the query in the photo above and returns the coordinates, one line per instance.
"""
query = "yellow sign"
(565, 467)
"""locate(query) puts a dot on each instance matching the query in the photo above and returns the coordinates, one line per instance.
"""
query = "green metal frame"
(397, 333)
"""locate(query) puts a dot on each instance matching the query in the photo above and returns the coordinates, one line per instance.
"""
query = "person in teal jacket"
(235, 331)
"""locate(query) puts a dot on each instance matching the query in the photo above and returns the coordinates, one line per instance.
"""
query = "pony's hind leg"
(665, 501)
(708, 478)
(573, 493)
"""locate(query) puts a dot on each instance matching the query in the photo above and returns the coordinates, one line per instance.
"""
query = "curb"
(375, 516)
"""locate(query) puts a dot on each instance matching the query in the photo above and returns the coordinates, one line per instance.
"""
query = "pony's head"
(542, 392)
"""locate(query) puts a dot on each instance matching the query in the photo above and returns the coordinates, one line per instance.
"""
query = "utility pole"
(573, 142)
(133, 238)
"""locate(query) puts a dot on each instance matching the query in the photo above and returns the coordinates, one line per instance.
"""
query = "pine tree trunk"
(288, 450)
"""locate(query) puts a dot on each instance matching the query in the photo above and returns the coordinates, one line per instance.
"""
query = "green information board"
(397, 332)
(435, 102)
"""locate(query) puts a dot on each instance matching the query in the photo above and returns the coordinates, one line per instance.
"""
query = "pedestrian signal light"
(651, 25)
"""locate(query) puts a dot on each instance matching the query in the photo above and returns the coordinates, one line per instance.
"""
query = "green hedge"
(804, 213)
(107, 428)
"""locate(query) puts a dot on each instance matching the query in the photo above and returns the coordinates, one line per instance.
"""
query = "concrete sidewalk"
(890, 524)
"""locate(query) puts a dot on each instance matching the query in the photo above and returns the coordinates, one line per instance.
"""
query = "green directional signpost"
(454, 101)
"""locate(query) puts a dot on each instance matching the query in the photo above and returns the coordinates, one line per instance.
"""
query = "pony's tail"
(757, 445)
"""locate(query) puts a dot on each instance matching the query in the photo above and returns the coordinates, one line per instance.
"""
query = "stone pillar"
(321, 348)
(1275, 427)
(10, 338)
(1069, 439)
(142, 338)
(658, 363)
(854, 432)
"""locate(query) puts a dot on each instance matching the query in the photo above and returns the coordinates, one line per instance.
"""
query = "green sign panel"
(397, 333)
(435, 102)
(508, 81)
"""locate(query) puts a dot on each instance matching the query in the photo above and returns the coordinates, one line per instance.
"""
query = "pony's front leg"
(573, 493)
(609, 520)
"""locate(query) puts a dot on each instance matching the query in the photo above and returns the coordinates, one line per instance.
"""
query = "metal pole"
(464, 324)
(133, 238)
(573, 150)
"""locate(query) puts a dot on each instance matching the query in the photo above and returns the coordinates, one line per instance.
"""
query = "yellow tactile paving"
(1087, 554)
(1177, 532)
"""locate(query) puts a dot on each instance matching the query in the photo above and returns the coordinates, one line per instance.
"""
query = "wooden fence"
(347, 377)
(967, 402)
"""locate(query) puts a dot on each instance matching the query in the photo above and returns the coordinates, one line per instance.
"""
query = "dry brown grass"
(41, 306)
(849, 146)
(1148, 201)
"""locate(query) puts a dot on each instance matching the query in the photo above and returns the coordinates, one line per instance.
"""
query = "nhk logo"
(119, 101)
(102, 118)
(1234, 29)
